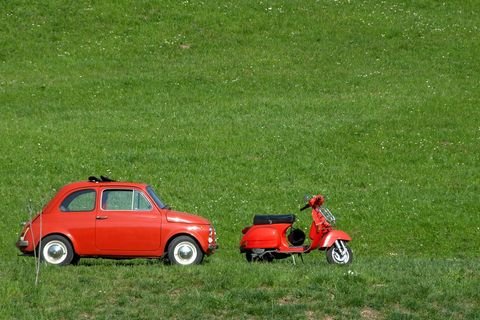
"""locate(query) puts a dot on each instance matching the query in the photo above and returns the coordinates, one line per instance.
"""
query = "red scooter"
(273, 236)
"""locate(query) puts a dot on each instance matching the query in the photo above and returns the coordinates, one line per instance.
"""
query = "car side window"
(82, 200)
(125, 200)
(140, 202)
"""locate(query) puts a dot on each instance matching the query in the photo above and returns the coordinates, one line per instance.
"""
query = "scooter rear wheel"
(248, 256)
(255, 257)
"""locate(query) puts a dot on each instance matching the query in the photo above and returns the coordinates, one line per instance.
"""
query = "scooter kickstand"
(301, 257)
(293, 257)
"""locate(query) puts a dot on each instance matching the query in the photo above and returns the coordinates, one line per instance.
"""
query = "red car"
(105, 218)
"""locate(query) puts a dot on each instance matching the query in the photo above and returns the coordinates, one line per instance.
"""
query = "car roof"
(96, 184)
(66, 189)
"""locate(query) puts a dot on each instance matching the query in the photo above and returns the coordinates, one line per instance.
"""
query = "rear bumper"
(26, 254)
(21, 244)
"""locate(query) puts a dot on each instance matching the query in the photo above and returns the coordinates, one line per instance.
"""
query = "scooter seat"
(273, 218)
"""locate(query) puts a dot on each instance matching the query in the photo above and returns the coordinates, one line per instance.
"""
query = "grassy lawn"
(234, 108)
(372, 288)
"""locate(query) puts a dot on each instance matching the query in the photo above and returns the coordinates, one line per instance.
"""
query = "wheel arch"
(176, 235)
(57, 234)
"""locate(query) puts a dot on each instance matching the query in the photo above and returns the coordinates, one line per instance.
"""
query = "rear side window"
(126, 200)
(82, 200)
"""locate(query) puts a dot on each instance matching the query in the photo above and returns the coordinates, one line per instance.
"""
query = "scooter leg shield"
(329, 239)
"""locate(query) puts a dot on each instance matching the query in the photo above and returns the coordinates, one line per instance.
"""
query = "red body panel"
(264, 236)
(115, 233)
(121, 231)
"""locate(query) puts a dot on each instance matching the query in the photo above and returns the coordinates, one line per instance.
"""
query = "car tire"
(56, 250)
(184, 250)
(75, 260)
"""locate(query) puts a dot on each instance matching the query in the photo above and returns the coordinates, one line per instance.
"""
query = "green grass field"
(231, 108)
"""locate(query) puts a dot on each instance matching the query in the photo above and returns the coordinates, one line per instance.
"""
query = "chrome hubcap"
(185, 253)
(55, 252)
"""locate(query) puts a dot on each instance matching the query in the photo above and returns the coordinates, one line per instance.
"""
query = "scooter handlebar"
(305, 207)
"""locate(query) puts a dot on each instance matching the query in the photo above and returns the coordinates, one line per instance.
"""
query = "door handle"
(101, 217)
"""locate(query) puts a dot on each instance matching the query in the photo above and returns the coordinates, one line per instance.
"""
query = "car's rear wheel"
(56, 250)
(184, 250)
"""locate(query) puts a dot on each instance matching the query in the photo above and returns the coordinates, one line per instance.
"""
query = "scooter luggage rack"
(328, 215)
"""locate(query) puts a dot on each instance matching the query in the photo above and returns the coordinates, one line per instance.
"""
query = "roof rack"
(102, 179)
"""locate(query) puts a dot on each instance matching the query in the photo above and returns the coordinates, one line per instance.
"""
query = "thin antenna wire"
(36, 256)
(37, 273)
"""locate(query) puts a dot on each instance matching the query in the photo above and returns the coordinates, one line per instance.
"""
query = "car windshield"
(156, 198)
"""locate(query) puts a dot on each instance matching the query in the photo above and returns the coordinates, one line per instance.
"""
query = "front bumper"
(212, 248)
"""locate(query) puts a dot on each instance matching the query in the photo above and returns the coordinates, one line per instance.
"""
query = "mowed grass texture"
(234, 108)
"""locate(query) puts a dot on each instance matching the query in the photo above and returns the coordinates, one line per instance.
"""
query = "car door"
(127, 223)
(75, 217)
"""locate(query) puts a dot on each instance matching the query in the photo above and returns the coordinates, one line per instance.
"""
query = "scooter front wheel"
(339, 253)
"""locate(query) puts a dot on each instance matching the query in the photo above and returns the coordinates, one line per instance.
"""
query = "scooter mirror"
(307, 197)
(306, 200)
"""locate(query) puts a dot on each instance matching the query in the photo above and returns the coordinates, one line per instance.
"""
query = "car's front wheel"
(184, 250)
(56, 250)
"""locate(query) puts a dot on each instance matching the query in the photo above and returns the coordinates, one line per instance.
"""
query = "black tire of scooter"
(332, 260)
(248, 256)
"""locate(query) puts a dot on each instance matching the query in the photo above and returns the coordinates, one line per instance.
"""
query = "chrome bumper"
(212, 247)
(21, 244)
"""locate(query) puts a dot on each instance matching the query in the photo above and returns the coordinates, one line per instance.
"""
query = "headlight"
(211, 234)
